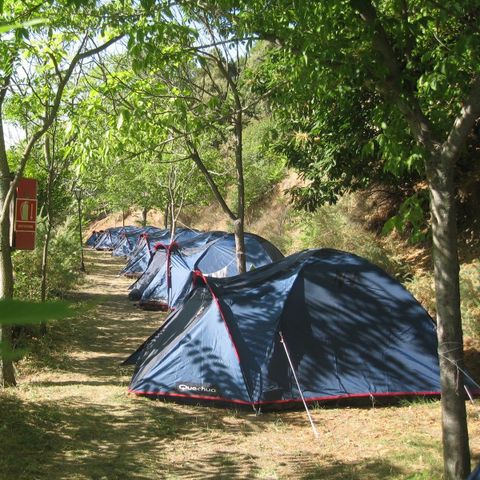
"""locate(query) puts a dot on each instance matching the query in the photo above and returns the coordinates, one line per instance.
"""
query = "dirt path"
(71, 417)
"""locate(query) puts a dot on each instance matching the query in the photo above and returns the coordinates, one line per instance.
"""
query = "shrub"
(331, 227)
(422, 287)
(62, 268)
(263, 168)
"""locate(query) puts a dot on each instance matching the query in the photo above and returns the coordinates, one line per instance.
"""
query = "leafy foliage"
(63, 267)
(23, 313)
(264, 167)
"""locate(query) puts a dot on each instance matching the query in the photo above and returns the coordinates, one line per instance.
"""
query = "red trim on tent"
(198, 274)
(159, 245)
(294, 400)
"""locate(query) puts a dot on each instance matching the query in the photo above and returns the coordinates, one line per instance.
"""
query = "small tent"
(111, 236)
(128, 240)
(349, 328)
(144, 250)
(155, 270)
(92, 239)
(216, 257)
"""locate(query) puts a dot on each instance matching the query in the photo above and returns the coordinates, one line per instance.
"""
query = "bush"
(62, 267)
(422, 287)
(263, 168)
(331, 227)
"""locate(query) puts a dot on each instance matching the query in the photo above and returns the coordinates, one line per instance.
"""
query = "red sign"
(25, 216)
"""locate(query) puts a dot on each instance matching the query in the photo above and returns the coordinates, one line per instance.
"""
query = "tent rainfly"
(350, 329)
(144, 250)
(168, 278)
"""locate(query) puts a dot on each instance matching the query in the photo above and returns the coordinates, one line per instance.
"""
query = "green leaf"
(120, 120)
(393, 223)
(30, 23)
(16, 312)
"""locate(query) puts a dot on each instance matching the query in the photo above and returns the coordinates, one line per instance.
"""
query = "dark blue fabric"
(142, 254)
(475, 475)
(190, 350)
(156, 273)
(350, 328)
(92, 239)
(216, 258)
(127, 241)
(124, 246)
(110, 237)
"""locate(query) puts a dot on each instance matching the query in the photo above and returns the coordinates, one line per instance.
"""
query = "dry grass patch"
(77, 421)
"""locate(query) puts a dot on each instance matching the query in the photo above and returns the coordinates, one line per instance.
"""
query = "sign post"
(25, 215)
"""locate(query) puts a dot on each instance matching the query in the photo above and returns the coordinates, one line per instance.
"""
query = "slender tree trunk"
(239, 223)
(173, 222)
(43, 287)
(172, 190)
(7, 373)
(166, 215)
(440, 175)
(440, 167)
(123, 217)
(80, 233)
(211, 182)
(144, 216)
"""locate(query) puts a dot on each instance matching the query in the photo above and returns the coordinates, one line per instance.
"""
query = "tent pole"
(470, 396)
(314, 429)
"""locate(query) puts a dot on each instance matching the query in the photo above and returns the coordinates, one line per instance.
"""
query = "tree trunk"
(166, 215)
(440, 176)
(173, 222)
(43, 287)
(239, 223)
(144, 216)
(80, 233)
(7, 373)
(239, 245)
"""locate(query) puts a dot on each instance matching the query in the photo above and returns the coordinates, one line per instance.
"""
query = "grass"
(71, 417)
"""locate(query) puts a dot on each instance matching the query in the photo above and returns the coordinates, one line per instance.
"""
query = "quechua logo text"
(197, 389)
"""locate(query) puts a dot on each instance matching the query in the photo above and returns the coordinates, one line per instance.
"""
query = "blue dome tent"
(217, 257)
(350, 329)
(155, 270)
(128, 240)
(111, 236)
(143, 253)
(92, 239)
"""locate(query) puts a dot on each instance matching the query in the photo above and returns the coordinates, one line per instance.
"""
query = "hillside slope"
(345, 226)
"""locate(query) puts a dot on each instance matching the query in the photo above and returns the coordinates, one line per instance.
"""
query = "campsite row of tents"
(316, 326)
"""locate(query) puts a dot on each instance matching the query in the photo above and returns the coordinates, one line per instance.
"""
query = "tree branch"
(463, 123)
(403, 96)
(211, 182)
(50, 117)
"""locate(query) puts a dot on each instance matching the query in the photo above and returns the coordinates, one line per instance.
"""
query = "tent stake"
(314, 429)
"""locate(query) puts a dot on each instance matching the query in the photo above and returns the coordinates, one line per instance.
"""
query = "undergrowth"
(52, 352)
(421, 285)
(332, 226)
(62, 266)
